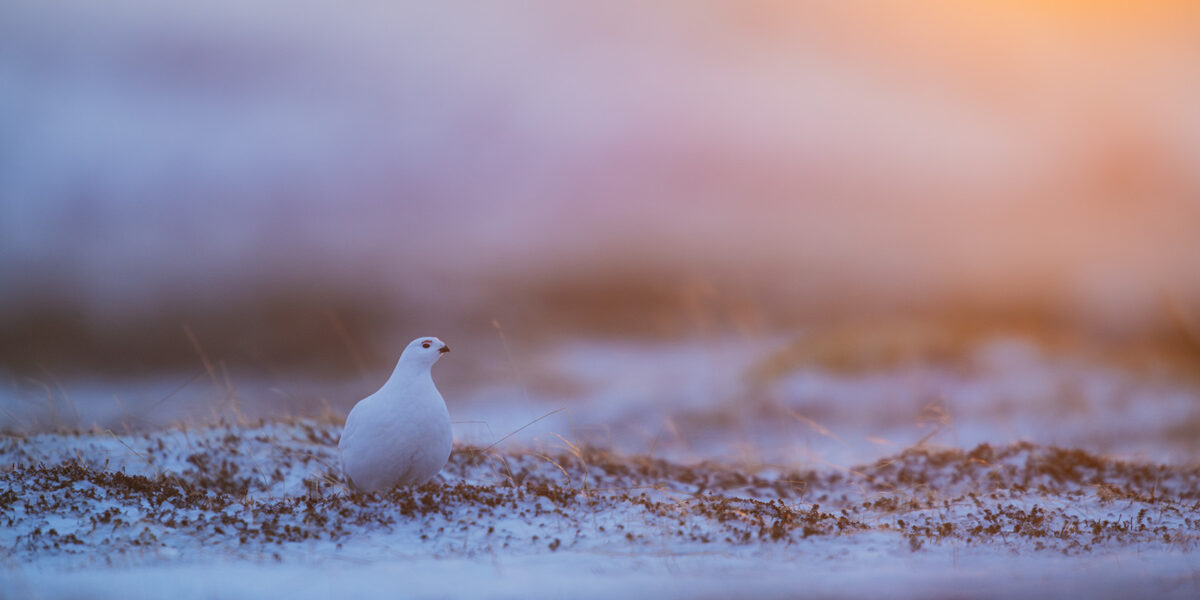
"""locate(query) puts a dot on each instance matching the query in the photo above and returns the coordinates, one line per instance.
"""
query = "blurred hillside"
(287, 185)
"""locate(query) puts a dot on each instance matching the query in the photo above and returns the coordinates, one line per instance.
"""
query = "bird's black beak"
(444, 349)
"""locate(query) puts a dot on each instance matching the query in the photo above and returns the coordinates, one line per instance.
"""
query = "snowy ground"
(672, 470)
(241, 511)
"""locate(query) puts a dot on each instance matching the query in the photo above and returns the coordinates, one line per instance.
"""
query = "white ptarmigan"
(400, 435)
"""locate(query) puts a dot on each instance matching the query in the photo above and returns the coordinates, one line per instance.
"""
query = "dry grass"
(864, 346)
(250, 490)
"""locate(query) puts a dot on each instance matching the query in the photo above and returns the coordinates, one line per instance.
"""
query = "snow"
(256, 506)
(922, 576)
(697, 400)
(650, 483)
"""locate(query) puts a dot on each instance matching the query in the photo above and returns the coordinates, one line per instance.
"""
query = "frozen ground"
(746, 467)
(819, 399)
(254, 511)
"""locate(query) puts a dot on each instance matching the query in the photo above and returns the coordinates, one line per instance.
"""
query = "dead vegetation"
(894, 343)
(252, 490)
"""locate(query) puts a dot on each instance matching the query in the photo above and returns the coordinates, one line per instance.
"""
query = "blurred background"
(264, 188)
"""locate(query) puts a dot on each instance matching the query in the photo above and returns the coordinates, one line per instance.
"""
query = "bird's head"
(424, 350)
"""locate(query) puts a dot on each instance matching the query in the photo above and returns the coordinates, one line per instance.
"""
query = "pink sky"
(1012, 151)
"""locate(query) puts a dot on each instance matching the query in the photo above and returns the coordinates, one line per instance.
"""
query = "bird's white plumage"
(400, 435)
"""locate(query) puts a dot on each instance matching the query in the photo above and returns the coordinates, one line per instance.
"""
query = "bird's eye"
(425, 344)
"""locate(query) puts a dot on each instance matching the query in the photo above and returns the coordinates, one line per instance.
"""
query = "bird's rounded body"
(400, 435)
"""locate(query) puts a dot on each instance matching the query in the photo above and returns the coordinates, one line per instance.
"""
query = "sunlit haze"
(162, 165)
